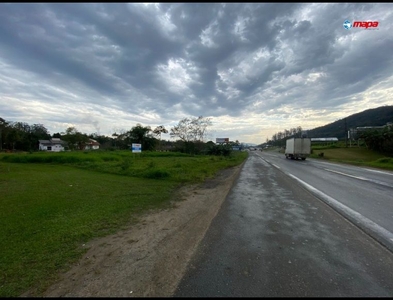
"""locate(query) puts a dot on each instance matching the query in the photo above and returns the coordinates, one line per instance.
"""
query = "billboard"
(222, 140)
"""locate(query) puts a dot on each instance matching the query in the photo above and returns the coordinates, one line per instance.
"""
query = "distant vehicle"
(298, 148)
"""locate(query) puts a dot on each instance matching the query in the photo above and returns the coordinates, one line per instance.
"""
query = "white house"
(92, 145)
(54, 145)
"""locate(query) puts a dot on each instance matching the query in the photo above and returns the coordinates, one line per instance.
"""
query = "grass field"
(354, 155)
(53, 203)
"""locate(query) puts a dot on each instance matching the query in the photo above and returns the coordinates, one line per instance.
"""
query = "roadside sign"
(222, 140)
(136, 148)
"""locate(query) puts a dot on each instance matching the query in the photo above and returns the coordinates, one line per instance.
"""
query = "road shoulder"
(149, 258)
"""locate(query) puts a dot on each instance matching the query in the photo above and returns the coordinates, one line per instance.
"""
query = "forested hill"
(371, 117)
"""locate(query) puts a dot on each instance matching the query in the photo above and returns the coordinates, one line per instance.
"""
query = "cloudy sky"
(253, 68)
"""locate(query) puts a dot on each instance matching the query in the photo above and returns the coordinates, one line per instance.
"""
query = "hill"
(371, 117)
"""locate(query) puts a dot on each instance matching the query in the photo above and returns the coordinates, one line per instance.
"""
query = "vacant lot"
(54, 204)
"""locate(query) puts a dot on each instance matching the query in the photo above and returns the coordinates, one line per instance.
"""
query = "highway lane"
(363, 191)
(272, 237)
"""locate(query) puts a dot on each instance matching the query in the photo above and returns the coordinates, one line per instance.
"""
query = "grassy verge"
(359, 156)
(53, 203)
(356, 156)
(175, 167)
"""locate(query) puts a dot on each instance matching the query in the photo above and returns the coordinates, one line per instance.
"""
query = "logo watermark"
(361, 24)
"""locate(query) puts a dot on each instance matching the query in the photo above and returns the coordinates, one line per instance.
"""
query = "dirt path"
(150, 258)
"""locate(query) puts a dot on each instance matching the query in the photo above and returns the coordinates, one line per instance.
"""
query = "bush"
(385, 160)
(156, 174)
(125, 164)
(224, 150)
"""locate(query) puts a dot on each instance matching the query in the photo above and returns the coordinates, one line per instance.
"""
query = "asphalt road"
(276, 236)
(363, 195)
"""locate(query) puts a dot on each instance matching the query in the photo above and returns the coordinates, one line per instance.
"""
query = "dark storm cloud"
(29, 45)
(166, 60)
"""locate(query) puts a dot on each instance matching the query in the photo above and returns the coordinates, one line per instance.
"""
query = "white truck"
(298, 148)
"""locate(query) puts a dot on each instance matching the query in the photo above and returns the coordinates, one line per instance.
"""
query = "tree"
(141, 135)
(139, 132)
(299, 131)
(37, 132)
(159, 130)
(75, 139)
(56, 135)
(115, 139)
(379, 140)
(221, 149)
(4, 127)
(17, 136)
(21, 136)
(191, 129)
(192, 133)
(121, 139)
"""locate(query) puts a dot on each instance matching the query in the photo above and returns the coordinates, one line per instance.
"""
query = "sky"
(254, 68)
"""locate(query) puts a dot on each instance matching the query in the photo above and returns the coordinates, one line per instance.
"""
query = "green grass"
(177, 167)
(53, 203)
(356, 156)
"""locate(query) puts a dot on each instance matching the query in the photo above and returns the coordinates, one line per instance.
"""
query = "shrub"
(125, 164)
(224, 150)
(385, 160)
(156, 174)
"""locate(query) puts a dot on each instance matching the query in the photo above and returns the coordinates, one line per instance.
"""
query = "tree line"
(278, 139)
(379, 140)
(189, 136)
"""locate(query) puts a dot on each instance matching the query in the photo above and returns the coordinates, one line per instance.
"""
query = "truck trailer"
(298, 148)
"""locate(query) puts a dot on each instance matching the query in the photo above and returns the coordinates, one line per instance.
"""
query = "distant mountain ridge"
(371, 117)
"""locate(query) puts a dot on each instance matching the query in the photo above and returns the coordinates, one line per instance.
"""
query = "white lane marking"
(384, 235)
(361, 168)
(386, 173)
(269, 162)
(357, 177)
(362, 178)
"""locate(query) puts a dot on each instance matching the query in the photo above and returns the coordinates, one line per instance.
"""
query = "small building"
(53, 145)
(92, 145)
